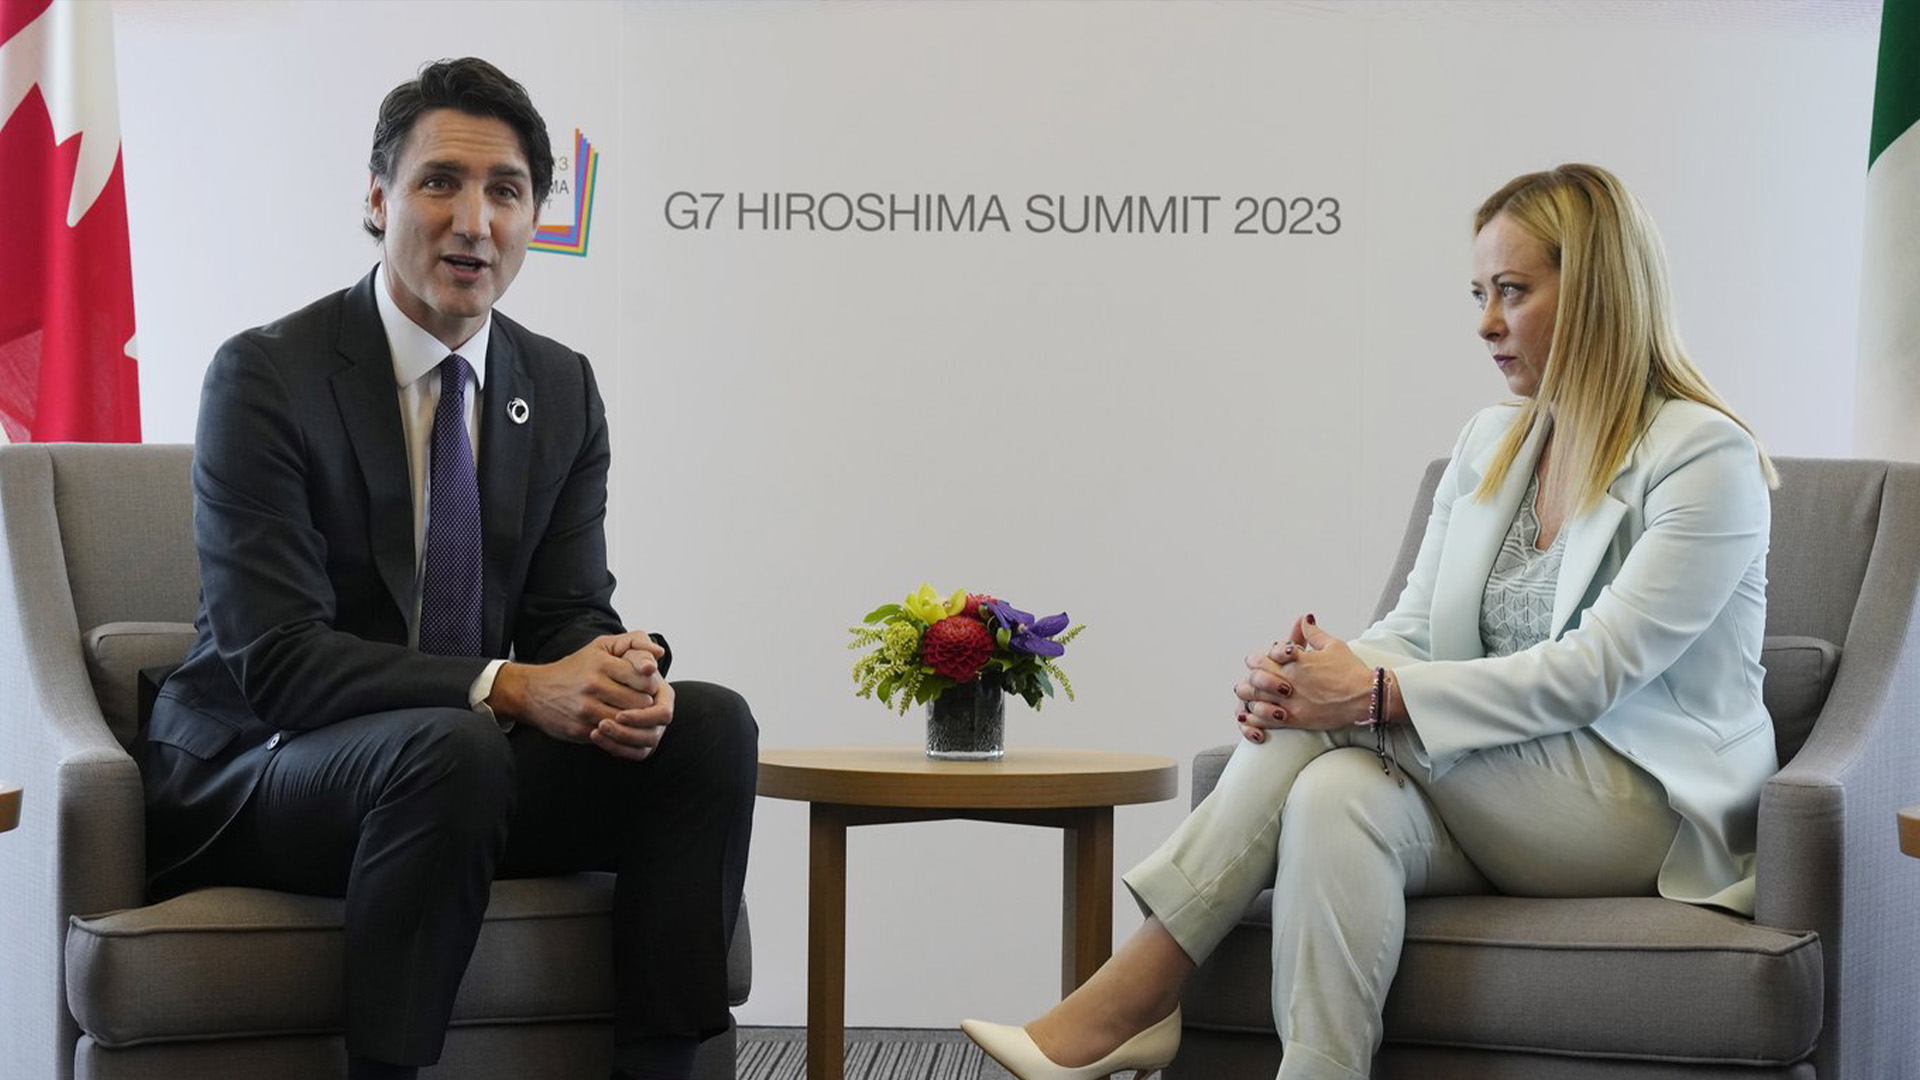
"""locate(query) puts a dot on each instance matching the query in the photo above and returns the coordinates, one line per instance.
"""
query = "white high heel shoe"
(1148, 1052)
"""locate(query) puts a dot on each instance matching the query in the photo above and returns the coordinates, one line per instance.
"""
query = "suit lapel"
(505, 457)
(1589, 537)
(1474, 535)
(370, 411)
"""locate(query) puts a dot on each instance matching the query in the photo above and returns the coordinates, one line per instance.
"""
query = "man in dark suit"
(409, 678)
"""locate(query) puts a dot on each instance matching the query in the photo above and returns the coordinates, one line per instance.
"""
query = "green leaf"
(1045, 684)
(884, 611)
(930, 687)
(887, 686)
(1001, 637)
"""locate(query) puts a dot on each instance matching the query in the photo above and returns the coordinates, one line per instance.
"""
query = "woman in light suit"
(1565, 701)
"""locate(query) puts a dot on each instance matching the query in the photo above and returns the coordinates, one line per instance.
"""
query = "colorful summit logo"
(572, 239)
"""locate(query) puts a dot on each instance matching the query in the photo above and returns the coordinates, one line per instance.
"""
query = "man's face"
(457, 215)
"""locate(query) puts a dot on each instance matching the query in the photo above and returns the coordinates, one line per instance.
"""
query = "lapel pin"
(517, 410)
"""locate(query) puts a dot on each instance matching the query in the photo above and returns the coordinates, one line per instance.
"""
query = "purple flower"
(1029, 636)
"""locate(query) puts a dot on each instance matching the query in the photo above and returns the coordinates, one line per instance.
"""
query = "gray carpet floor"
(780, 1053)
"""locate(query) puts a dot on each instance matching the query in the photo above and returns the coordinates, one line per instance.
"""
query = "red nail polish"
(1310, 619)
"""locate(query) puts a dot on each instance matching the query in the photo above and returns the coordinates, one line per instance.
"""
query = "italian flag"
(1887, 401)
(67, 370)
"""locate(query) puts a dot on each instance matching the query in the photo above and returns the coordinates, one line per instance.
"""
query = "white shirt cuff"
(482, 689)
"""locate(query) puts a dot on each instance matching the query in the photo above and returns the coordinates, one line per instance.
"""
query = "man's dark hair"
(472, 86)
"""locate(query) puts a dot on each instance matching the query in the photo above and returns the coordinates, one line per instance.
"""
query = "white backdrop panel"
(1184, 439)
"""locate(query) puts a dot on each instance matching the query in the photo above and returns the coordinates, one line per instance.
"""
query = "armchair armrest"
(81, 844)
(1207, 766)
(1827, 860)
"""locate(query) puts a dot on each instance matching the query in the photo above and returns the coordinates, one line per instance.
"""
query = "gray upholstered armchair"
(1822, 983)
(100, 581)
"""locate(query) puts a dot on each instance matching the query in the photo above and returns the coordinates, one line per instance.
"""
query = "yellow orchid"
(926, 605)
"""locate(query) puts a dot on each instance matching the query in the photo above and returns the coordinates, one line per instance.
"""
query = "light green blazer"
(1657, 624)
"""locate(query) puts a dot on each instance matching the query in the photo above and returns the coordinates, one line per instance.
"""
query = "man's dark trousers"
(411, 815)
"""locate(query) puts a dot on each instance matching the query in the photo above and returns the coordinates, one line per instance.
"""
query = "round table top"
(1910, 831)
(1027, 778)
(9, 806)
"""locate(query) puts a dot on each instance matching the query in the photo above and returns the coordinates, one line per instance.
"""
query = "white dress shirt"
(417, 356)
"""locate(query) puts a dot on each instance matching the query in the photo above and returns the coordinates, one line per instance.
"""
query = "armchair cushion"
(1708, 987)
(260, 962)
(116, 652)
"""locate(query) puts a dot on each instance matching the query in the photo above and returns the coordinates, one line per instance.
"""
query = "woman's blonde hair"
(1616, 352)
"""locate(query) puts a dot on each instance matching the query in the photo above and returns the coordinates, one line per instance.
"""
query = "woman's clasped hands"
(1310, 681)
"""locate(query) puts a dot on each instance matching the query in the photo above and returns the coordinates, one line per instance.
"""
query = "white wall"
(1183, 440)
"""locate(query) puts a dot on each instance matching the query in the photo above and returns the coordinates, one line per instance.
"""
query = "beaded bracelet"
(1377, 706)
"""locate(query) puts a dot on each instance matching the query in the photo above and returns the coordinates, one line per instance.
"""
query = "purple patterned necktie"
(450, 593)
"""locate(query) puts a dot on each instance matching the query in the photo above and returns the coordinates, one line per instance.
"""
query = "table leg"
(826, 944)
(1086, 925)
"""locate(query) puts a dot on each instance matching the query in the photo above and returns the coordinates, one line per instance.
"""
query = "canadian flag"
(67, 370)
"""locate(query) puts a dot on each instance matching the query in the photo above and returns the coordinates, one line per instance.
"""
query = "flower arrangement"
(924, 645)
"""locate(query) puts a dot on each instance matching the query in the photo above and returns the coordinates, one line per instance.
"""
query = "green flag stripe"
(1896, 96)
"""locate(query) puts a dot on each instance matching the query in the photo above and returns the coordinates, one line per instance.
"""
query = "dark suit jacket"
(303, 517)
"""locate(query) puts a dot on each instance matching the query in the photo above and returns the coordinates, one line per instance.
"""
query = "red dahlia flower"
(957, 646)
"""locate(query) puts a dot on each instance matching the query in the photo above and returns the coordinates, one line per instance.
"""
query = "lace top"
(1516, 611)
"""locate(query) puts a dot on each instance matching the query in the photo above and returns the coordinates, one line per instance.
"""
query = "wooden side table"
(9, 806)
(1071, 790)
(1910, 831)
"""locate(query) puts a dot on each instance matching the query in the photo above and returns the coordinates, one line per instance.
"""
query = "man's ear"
(376, 202)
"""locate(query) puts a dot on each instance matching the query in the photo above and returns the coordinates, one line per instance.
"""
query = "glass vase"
(967, 722)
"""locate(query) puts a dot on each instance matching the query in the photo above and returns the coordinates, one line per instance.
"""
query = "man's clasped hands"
(608, 692)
